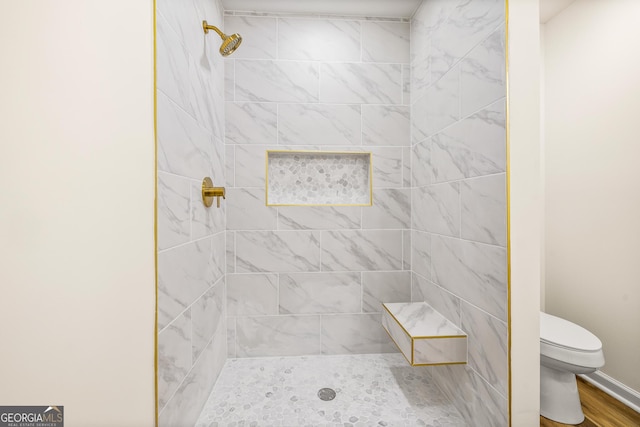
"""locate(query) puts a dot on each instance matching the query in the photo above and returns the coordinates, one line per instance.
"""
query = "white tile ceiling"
(378, 8)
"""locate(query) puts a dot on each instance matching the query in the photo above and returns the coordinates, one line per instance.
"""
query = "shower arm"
(206, 27)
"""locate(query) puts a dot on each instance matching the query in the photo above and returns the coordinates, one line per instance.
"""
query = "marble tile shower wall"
(309, 280)
(192, 345)
(458, 163)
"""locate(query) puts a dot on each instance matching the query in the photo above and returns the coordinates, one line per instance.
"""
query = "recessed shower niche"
(318, 178)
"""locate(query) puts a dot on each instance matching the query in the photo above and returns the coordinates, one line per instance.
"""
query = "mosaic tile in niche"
(318, 178)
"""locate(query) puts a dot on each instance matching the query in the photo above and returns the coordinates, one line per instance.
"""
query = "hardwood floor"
(600, 410)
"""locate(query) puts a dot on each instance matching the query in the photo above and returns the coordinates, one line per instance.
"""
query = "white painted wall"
(550, 8)
(525, 209)
(592, 175)
(77, 209)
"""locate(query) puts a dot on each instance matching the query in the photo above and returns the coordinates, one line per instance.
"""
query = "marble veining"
(458, 137)
(433, 339)
(398, 336)
(421, 253)
(479, 403)
(436, 209)
(476, 272)
(420, 122)
(388, 167)
(361, 83)
(173, 66)
(443, 208)
(179, 15)
(421, 164)
(488, 347)
(421, 320)
(385, 42)
(315, 293)
(302, 178)
(246, 210)
(174, 356)
(474, 146)
(319, 217)
(384, 286)
(251, 123)
(406, 166)
(230, 252)
(326, 40)
(376, 389)
(207, 97)
(484, 209)
(442, 301)
(318, 124)
(354, 334)
(252, 294)
(406, 84)
(188, 400)
(207, 313)
(184, 273)
(419, 41)
(230, 165)
(250, 165)
(229, 80)
(362, 250)
(482, 74)
(258, 36)
(216, 259)
(443, 102)
(276, 81)
(265, 251)
(441, 350)
(174, 202)
(299, 273)
(391, 209)
(277, 335)
(466, 26)
(385, 125)
(406, 250)
(184, 147)
(231, 337)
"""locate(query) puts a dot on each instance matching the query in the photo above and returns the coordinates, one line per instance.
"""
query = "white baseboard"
(615, 389)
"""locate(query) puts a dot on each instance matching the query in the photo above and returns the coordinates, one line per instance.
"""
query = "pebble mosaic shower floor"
(371, 390)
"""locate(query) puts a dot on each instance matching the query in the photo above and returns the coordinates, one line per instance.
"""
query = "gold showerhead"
(229, 43)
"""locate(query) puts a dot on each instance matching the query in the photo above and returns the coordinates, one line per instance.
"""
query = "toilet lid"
(562, 333)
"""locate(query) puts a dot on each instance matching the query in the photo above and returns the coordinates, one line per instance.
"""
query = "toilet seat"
(569, 343)
(562, 333)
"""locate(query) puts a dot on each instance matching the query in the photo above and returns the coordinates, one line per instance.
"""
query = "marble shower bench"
(423, 335)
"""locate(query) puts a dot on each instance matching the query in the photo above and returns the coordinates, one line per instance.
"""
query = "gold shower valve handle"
(209, 192)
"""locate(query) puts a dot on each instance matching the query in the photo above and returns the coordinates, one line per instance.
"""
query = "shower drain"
(326, 394)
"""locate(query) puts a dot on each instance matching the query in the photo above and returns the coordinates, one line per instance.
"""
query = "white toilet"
(566, 349)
